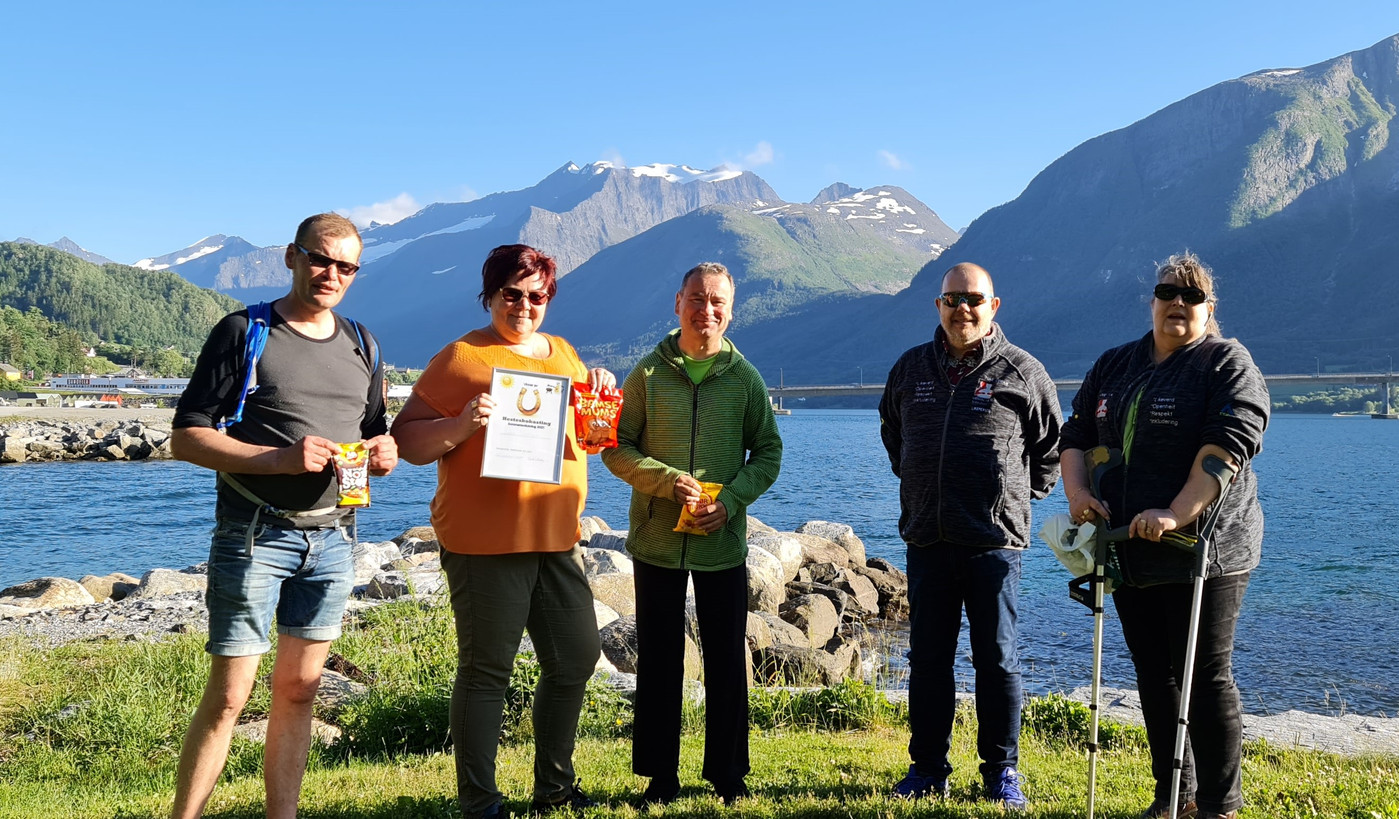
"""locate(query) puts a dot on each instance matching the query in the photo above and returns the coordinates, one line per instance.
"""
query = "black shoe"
(574, 798)
(731, 792)
(662, 791)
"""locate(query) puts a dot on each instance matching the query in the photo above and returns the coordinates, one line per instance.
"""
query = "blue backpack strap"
(259, 319)
(369, 348)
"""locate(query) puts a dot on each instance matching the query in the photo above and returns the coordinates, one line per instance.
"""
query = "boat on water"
(1351, 414)
(777, 408)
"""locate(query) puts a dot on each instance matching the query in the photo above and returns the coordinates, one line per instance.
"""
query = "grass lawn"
(93, 730)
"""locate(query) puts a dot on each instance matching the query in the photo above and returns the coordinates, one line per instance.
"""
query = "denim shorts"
(303, 576)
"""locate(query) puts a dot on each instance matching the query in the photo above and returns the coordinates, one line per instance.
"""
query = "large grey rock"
(13, 450)
(426, 580)
(757, 632)
(165, 582)
(616, 541)
(46, 593)
(424, 533)
(591, 525)
(606, 561)
(786, 549)
(781, 631)
(797, 665)
(839, 599)
(617, 591)
(817, 549)
(619, 643)
(864, 597)
(756, 528)
(412, 546)
(603, 614)
(387, 586)
(841, 534)
(256, 732)
(337, 691)
(814, 615)
(765, 583)
(892, 585)
(115, 586)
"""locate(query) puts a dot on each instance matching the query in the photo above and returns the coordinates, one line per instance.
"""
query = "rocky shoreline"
(84, 439)
(819, 613)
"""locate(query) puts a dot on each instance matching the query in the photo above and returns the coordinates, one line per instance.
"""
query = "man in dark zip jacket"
(971, 425)
(695, 411)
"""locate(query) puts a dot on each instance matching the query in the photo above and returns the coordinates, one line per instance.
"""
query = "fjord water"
(1319, 630)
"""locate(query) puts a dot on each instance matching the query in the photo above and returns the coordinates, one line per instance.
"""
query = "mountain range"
(1285, 181)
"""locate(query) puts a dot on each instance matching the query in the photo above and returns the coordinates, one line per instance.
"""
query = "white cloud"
(893, 161)
(760, 155)
(466, 193)
(385, 213)
(613, 156)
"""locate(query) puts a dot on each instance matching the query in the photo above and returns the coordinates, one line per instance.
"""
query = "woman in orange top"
(509, 548)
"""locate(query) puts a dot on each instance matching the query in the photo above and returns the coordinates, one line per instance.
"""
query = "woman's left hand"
(1151, 524)
(600, 379)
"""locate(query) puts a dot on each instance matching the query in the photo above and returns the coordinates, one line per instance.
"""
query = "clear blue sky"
(138, 128)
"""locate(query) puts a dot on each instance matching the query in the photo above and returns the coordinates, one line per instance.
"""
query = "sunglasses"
(324, 262)
(953, 300)
(510, 295)
(1190, 295)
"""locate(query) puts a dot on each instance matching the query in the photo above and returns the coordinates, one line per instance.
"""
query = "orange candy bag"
(595, 415)
(709, 493)
(352, 473)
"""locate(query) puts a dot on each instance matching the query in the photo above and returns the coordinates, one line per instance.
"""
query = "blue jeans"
(942, 578)
(304, 576)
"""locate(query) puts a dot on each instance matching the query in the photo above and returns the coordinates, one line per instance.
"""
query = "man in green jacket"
(695, 411)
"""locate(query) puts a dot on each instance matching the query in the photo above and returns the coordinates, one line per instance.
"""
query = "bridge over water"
(783, 392)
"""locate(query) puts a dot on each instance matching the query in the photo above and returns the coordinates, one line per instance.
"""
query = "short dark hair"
(706, 269)
(329, 225)
(507, 260)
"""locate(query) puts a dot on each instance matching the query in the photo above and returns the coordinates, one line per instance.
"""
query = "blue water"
(1319, 631)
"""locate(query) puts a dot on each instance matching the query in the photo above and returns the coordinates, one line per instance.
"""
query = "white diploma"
(526, 434)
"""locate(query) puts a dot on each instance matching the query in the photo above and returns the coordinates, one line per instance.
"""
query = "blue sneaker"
(1004, 787)
(915, 786)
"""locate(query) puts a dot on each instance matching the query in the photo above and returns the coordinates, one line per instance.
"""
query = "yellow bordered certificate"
(526, 434)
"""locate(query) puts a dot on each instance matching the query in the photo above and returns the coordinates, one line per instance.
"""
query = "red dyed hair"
(507, 260)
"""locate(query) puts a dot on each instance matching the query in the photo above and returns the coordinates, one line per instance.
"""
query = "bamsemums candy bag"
(595, 415)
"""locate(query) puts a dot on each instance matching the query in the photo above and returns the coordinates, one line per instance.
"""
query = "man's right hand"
(688, 491)
(310, 454)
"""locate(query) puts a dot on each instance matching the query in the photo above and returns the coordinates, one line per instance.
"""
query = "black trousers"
(721, 603)
(1155, 624)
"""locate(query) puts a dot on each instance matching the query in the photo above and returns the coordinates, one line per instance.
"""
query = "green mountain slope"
(113, 302)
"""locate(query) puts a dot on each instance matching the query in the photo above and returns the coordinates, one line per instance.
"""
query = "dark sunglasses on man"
(1190, 295)
(513, 294)
(953, 300)
(324, 262)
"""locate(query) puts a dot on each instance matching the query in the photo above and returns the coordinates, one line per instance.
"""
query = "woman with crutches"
(1168, 401)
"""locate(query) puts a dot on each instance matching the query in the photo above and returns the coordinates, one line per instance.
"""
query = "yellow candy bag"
(352, 473)
(709, 493)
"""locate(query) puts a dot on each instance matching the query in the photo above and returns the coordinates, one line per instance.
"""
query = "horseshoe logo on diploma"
(520, 401)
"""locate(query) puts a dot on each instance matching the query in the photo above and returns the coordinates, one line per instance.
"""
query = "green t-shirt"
(698, 368)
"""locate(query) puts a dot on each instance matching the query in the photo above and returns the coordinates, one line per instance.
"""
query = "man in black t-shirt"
(281, 545)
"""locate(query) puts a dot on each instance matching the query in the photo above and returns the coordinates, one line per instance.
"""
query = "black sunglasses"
(324, 262)
(972, 299)
(513, 294)
(1190, 295)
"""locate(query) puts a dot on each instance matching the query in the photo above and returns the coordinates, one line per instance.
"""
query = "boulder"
(165, 582)
(46, 593)
(424, 533)
(426, 579)
(891, 584)
(8, 612)
(387, 586)
(606, 561)
(757, 632)
(115, 586)
(838, 598)
(337, 690)
(756, 528)
(839, 533)
(412, 561)
(617, 591)
(615, 541)
(796, 665)
(415, 546)
(603, 614)
(111, 452)
(826, 573)
(864, 597)
(765, 582)
(784, 548)
(815, 615)
(256, 732)
(590, 526)
(13, 450)
(619, 643)
(817, 549)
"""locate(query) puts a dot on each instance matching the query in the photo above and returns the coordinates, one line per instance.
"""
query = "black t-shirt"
(306, 386)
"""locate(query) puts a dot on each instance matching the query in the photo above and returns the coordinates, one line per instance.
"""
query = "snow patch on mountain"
(375, 249)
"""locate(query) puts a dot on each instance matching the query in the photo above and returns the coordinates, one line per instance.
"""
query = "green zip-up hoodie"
(721, 430)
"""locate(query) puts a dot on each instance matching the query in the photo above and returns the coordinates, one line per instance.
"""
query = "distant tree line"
(1338, 399)
(30, 342)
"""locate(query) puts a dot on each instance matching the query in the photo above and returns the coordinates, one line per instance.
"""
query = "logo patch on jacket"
(985, 391)
(1102, 407)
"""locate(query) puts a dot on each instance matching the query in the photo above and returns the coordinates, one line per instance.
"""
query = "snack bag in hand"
(352, 473)
(595, 415)
(709, 493)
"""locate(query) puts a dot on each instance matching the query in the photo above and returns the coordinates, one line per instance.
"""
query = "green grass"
(93, 729)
